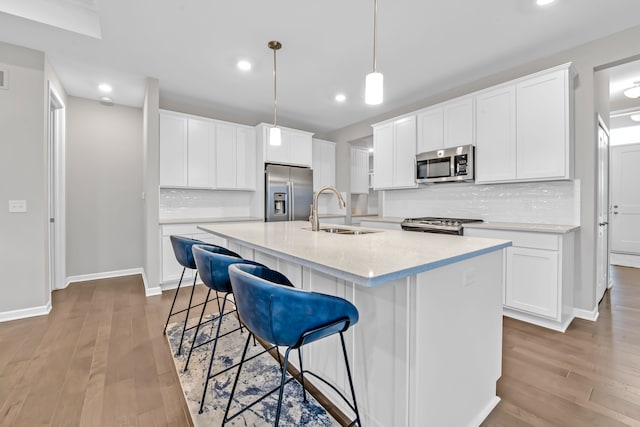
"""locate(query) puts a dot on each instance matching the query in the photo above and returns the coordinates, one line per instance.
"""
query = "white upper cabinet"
(324, 163)
(235, 157)
(446, 125)
(296, 147)
(359, 170)
(196, 152)
(524, 129)
(394, 159)
(200, 153)
(430, 129)
(458, 122)
(496, 135)
(544, 126)
(173, 151)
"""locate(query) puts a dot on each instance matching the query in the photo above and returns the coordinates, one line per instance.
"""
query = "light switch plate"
(17, 206)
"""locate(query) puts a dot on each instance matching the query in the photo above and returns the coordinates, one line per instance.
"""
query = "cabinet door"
(430, 130)
(226, 156)
(200, 145)
(359, 171)
(173, 151)
(324, 163)
(543, 133)
(496, 135)
(405, 152)
(383, 156)
(532, 281)
(301, 150)
(458, 123)
(246, 158)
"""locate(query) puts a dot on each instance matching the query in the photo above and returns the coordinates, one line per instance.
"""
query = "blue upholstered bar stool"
(182, 250)
(213, 266)
(286, 316)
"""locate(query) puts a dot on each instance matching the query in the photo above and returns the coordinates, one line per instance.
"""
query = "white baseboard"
(624, 260)
(25, 312)
(591, 315)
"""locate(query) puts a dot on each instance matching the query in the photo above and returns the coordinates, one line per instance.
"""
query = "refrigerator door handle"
(292, 199)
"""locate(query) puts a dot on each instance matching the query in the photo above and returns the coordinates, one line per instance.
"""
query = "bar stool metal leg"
(186, 319)
(175, 296)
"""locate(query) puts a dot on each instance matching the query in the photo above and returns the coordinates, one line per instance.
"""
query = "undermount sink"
(347, 231)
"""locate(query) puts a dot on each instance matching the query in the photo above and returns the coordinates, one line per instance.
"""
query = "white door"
(625, 199)
(56, 190)
(602, 254)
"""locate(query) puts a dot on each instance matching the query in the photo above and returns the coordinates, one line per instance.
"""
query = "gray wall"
(23, 236)
(104, 187)
(597, 54)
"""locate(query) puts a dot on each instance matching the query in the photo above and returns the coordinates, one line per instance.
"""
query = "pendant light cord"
(375, 32)
(275, 91)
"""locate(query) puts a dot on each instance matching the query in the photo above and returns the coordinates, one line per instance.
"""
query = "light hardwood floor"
(100, 359)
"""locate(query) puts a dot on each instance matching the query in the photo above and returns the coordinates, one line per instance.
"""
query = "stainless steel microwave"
(446, 165)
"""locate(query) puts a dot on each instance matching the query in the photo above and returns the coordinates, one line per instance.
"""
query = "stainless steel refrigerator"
(288, 193)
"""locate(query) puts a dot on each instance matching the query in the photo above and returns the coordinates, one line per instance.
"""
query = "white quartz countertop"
(210, 220)
(366, 259)
(517, 226)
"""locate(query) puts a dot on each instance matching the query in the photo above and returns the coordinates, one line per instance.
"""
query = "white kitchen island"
(427, 348)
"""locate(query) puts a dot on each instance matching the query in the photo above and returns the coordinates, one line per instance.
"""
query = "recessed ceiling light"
(371, 150)
(341, 97)
(543, 2)
(105, 100)
(635, 117)
(104, 87)
(244, 65)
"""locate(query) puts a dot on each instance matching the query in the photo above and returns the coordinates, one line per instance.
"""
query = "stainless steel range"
(437, 225)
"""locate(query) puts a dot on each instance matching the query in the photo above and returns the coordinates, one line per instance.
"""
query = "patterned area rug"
(258, 376)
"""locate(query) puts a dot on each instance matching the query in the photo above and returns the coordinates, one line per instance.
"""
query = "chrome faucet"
(313, 218)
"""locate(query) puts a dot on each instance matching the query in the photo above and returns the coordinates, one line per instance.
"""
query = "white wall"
(542, 203)
(151, 179)
(627, 135)
(104, 187)
(188, 203)
(23, 236)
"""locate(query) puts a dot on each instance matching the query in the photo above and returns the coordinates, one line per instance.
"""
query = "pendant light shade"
(373, 85)
(634, 91)
(275, 137)
(373, 88)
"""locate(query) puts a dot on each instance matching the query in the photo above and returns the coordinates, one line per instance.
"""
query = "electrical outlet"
(16, 206)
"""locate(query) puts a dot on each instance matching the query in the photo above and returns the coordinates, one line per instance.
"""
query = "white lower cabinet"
(532, 281)
(170, 270)
(539, 276)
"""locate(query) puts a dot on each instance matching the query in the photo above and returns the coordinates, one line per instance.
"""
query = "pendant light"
(373, 89)
(634, 91)
(275, 138)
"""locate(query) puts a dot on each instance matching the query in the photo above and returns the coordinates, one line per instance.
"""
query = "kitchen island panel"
(456, 342)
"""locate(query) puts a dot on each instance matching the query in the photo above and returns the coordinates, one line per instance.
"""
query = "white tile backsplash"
(189, 203)
(554, 202)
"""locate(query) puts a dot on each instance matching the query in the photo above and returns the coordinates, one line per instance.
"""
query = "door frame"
(56, 214)
(603, 198)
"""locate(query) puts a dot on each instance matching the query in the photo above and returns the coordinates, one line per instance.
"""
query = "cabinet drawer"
(520, 239)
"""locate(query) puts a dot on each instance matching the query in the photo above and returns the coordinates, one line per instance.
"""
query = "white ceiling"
(192, 46)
